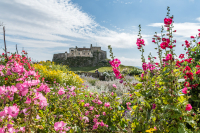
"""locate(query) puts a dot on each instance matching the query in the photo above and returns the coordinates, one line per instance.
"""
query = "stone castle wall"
(82, 57)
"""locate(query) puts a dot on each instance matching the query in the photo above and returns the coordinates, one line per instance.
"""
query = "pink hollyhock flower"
(188, 107)
(91, 108)
(121, 81)
(154, 106)
(114, 86)
(184, 90)
(192, 37)
(28, 100)
(86, 119)
(115, 63)
(112, 93)
(164, 45)
(61, 91)
(59, 125)
(144, 66)
(13, 111)
(107, 104)
(87, 105)
(198, 29)
(104, 113)
(167, 21)
(168, 57)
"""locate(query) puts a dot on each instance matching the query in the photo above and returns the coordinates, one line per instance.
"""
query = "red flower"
(181, 56)
(167, 21)
(6, 78)
(198, 72)
(2, 53)
(192, 37)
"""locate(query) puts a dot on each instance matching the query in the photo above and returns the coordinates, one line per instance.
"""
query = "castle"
(80, 57)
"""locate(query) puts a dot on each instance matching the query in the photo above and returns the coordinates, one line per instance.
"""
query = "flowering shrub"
(165, 100)
(29, 105)
(57, 74)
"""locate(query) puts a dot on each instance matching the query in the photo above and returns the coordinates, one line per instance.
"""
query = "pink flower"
(192, 37)
(101, 123)
(2, 90)
(154, 106)
(104, 113)
(87, 113)
(13, 111)
(59, 125)
(181, 56)
(28, 100)
(41, 98)
(184, 90)
(114, 86)
(112, 93)
(115, 63)
(61, 91)
(95, 120)
(86, 119)
(198, 29)
(167, 21)
(99, 102)
(128, 103)
(91, 108)
(188, 107)
(140, 42)
(107, 104)
(168, 57)
(87, 105)
(22, 129)
(44, 88)
(144, 66)
(38, 117)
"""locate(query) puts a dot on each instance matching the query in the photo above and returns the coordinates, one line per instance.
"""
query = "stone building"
(92, 56)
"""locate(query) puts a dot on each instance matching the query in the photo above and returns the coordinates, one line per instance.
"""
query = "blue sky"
(45, 27)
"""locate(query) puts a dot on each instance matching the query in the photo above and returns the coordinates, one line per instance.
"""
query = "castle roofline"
(83, 49)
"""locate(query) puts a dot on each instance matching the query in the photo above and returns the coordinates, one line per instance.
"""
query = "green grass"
(101, 69)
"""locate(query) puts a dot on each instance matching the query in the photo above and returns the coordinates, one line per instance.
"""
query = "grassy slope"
(101, 69)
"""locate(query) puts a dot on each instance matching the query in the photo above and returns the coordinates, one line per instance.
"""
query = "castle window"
(88, 53)
(79, 53)
(84, 53)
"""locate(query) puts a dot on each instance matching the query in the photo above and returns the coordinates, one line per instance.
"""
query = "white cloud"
(56, 23)
(185, 30)
(130, 61)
